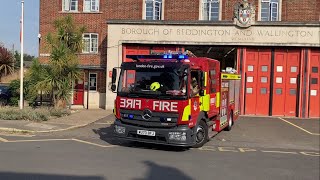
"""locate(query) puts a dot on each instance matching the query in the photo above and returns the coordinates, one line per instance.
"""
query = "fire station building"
(273, 44)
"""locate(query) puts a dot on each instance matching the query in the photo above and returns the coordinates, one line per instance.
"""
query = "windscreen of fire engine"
(161, 82)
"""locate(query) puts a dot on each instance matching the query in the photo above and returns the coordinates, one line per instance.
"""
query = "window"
(270, 10)
(90, 43)
(292, 91)
(264, 68)
(278, 91)
(195, 83)
(250, 79)
(278, 80)
(153, 9)
(314, 80)
(264, 79)
(93, 81)
(210, 10)
(69, 5)
(294, 69)
(263, 90)
(90, 5)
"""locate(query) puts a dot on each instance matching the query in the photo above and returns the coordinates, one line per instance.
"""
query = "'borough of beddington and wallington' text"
(144, 31)
(285, 33)
(205, 32)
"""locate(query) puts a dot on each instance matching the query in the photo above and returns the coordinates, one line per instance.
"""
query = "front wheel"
(201, 134)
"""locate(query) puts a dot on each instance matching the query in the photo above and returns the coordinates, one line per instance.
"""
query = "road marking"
(3, 140)
(87, 142)
(316, 134)
(107, 123)
(282, 152)
(250, 150)
(17, 135)
(310, 153)
(39, 140)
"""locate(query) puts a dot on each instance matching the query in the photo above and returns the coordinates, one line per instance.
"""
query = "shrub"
(59, 112)
(40, 114)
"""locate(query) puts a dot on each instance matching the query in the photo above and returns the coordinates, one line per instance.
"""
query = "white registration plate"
(146, 133)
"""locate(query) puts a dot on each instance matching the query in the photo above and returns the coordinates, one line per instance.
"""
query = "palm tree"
(62, 69)
(6, 62)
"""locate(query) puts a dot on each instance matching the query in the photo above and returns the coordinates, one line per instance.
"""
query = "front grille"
(158, 119)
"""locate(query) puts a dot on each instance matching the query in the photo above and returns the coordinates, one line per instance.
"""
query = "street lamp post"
(21, 61)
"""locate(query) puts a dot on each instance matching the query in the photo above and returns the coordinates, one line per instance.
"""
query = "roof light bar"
(166, 56)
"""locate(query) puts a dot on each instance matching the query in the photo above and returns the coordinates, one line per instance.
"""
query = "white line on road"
(94, 144)
(299, 127)
(17, 135)
(39, 140)
(282, 152)
(107, 123)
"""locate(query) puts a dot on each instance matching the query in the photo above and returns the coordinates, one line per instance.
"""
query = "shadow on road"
(106, 134)
(27, 176)
(158, 172)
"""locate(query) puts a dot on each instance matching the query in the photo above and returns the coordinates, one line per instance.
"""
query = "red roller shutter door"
(257, 82)
(314, 106)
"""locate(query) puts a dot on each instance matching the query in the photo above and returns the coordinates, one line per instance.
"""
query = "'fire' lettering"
(130, 103)
(165, 106)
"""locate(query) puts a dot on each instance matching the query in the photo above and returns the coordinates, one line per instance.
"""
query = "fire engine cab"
(174, 99)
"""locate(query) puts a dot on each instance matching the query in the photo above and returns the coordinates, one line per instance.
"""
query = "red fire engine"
(174, 99)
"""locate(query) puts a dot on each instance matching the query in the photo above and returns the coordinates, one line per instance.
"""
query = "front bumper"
(161, 134)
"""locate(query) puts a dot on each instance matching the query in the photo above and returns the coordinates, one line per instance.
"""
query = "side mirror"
(114, 75)
(114, 78)
(202, 79)
(113, 87)
(201, 92)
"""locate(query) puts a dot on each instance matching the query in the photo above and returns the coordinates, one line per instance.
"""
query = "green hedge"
(40, 114)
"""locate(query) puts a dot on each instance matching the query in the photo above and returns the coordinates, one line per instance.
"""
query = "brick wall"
(292, 10)
(297, 10)
(181, 10)
(123, 9)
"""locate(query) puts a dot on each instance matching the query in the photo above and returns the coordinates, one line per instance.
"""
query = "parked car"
(5, 95)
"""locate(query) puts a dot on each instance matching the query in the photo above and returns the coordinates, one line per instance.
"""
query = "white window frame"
(95, 9)
(67, 4)
(161, 13)
(202, 4)
(271, 3)
(90, 43)
(96, 83)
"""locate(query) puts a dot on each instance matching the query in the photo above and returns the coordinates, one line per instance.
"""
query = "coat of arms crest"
(244, 14)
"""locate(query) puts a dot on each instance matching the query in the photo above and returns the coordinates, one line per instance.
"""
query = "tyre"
(230, 122)
(201, 134)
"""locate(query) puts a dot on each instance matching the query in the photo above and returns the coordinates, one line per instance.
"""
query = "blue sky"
(10, 13)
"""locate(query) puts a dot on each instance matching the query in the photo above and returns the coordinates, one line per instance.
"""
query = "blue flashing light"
(130, 116)
(170, 56)
(181, 56)
(165, 56)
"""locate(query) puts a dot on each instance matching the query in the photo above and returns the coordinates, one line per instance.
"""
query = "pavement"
(77, 119)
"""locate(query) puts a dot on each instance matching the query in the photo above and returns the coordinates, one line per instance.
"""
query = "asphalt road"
(256, 148)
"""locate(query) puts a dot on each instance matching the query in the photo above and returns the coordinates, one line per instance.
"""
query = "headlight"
(119, 129)
(178, 136)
